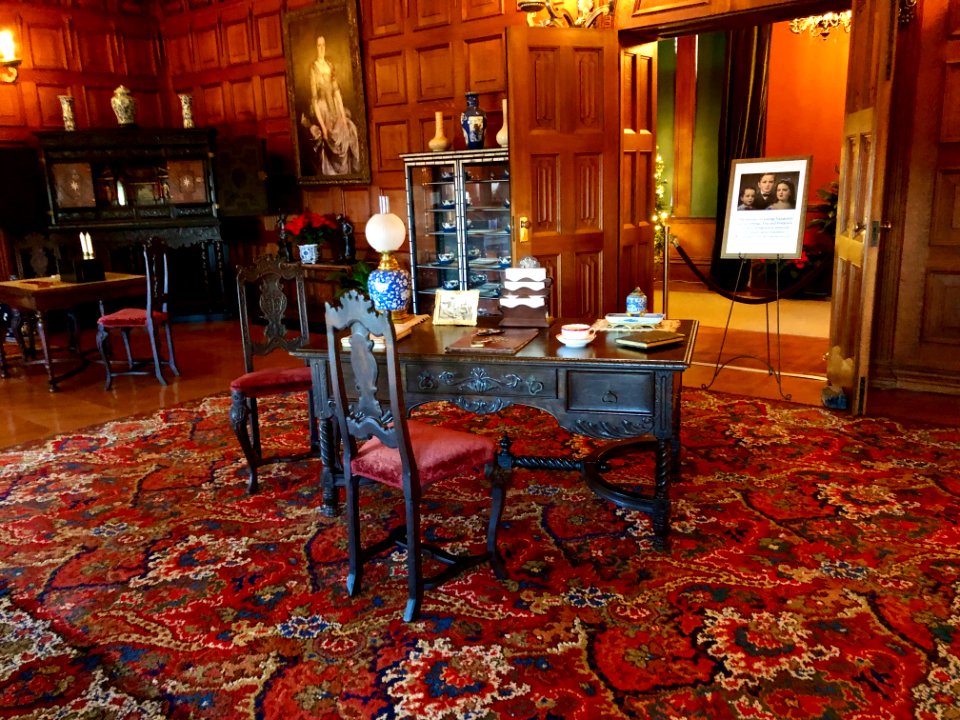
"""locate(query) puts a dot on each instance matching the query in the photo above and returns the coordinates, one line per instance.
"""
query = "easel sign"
(767, 208)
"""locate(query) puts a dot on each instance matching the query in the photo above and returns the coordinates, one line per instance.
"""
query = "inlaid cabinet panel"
(475, 9)
(430, 13)
(208, 50)
(140, 53)
(48, 46)
(392, 139)
(269, 35)
(941, 308)
(945, 229)
(434, 72)
(385, 18)
(485, 63)
(389, 79)
(275, 96)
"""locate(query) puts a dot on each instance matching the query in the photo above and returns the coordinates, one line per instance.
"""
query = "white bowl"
(578, 343)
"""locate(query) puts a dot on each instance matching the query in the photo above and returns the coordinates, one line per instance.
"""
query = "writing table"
(603, 391)
(42, 295)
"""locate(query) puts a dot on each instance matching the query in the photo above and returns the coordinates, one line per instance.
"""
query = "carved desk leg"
(660, 512)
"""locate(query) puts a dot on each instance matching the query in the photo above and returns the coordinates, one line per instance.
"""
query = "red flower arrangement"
(310, 227)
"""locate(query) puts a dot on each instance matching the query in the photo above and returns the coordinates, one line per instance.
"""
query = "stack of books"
(524, 299)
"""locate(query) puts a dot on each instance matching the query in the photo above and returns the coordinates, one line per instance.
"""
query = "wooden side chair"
(405, 454)
(268, 281)
(151, 319)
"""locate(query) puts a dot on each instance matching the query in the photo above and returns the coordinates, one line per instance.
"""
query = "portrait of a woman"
(786, 196)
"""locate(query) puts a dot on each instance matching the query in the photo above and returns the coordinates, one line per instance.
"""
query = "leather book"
(650, 339)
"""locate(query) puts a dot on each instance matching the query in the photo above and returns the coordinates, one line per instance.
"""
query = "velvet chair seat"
(438, 453)
(131, 317)
(272, 381)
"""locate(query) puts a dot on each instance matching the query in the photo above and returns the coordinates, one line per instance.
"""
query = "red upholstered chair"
(270, 279)
(408, 455)
(150, 319)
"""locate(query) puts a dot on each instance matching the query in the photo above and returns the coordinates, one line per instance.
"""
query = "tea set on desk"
(655, 329)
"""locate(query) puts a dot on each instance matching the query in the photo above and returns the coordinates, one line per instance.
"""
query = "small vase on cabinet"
(502, 135)
(439, 142)
(473, 120)
(124, 106)
(186, 109)
(66, 106)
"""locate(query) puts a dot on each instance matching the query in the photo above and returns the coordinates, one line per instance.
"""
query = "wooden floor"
(209, 357)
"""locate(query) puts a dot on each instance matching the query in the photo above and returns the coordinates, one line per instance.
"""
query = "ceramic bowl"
(474, 253)
(477, 279)
(504, 261)
(448, 227)
(445, 258)
(451, 284)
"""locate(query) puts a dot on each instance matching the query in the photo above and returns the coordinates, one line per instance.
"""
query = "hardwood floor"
(209, 357)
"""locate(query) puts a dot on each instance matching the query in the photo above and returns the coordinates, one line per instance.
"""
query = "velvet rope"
(761, 297)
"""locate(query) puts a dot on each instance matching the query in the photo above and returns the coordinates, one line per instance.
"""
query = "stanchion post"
(666, 267)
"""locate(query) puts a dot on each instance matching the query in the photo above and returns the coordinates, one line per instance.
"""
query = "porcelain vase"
(439, 142)
(309, 253)
(124, 106)
(389, 290)
(186, 108)
(66, 106)
(502, 135)
(473, 120)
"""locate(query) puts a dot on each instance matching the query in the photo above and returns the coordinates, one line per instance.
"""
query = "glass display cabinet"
(458, 218)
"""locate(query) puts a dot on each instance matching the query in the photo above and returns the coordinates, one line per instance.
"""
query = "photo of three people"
(768, 191)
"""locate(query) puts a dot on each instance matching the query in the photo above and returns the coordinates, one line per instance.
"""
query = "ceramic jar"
(390, 290)
(186, 109)
(439, 142)
(636, 302)
(124, 106)
(473, 120)
(66, 106)
(502, 135)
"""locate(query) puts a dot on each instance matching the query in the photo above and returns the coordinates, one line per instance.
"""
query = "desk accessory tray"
(81, 271)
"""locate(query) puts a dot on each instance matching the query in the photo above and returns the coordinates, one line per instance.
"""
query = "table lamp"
(388, 285)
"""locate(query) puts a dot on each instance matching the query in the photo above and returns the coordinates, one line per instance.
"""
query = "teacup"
(576, 331)
(451, 284)
(445, 258)
(477, 279)
(504, 261)
(474, 253)
(448, 226)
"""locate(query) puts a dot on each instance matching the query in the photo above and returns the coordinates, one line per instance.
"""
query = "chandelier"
(822, 25)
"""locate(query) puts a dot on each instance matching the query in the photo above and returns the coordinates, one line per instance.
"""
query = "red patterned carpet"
(814, 573)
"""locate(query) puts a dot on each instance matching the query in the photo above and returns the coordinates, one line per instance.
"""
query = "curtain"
(743, 126)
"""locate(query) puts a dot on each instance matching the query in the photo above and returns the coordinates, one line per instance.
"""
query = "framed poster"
(321, 44)
(767, 208)
(456, 307)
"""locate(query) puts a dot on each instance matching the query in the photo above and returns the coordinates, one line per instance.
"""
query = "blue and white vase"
(636, 302)
(473, 120)
(389, 290)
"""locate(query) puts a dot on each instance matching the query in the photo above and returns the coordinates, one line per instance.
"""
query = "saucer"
(570, 342)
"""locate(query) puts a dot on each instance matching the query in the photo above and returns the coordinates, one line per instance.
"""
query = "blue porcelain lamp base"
(390, 291)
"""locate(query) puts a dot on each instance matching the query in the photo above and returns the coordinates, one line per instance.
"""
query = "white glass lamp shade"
(385, 232)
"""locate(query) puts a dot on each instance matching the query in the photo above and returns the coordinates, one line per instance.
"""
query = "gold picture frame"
(325, 95)
(456, 307)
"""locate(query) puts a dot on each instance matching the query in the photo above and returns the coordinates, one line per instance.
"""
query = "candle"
(7, 49)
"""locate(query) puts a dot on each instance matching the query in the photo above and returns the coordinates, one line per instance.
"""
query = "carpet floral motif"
(813, 572)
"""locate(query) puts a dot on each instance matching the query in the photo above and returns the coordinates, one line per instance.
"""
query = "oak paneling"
(50, 113)
(950, 122)
(486, 64)
(213, 104)
(430, 13)
(179, 55)
(99, 111)
(140, 53)
(389, 80)
(587, 173)
(589, 88)
(269, 35)
(392, 138)
(275, 96)
(941, 308)
(434, 72)
(11, 106)
(945, 228)
(588, 270)
(208, 48)
(545, 191)
(47, 46)
(95, 48)
(476, 9)
(544, 89)
(243, 100)
(383, 19)
(237, 40)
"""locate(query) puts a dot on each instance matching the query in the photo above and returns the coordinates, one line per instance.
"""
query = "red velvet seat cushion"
(273, 381)
(130, 317)
(439, 452)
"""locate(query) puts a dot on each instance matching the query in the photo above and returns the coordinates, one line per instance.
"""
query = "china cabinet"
(458, 219)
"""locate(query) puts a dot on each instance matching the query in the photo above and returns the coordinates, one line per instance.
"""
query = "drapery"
(743, 125)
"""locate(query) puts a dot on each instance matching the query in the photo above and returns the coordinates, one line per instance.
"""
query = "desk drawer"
(465, 379)
(611, 392)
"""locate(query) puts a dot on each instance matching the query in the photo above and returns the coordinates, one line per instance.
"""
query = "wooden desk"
(602, 390)
(41, 295)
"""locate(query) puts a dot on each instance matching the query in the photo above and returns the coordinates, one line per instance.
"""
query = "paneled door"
(860, 223)
(564, 91)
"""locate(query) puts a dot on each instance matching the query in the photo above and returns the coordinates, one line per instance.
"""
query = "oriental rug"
(814, 572)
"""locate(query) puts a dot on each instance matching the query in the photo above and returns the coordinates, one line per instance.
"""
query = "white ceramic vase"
(502, 135)
(309, 253)
(439, 142)
(124, 106)
(186, 108)
(66, 106)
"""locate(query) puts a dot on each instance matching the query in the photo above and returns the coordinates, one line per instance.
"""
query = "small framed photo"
(767, 208)
(456, 307)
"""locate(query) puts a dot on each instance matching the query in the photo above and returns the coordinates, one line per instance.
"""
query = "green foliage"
(826, 210)
(662, 208)
(354, 279)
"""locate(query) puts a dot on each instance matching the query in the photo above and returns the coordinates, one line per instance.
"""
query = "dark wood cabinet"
(126, 185)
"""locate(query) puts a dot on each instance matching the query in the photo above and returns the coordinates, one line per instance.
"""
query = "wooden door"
(860, 225)
(638, 153)
(563, 89)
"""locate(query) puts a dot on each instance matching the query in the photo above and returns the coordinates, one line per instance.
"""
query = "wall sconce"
(822, 25)
(9, 62)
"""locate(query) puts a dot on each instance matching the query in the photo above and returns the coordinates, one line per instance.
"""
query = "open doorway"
(804, 116)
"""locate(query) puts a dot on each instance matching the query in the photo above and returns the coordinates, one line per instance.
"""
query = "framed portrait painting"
(325, 93)
(766, 208)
